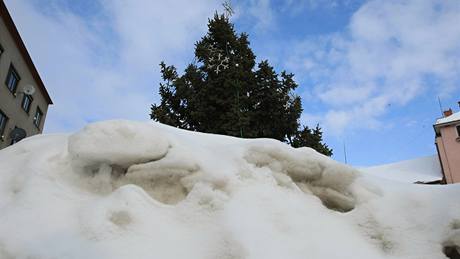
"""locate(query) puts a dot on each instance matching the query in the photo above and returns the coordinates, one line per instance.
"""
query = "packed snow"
(121, 189)
(424, 169)
(451, 118)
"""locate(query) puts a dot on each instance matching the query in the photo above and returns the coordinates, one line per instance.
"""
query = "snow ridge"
(121, 189)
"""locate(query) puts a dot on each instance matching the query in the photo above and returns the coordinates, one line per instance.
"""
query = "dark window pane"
(458, 130)
(38, 117)
(12, 79)
(3, 121)
(16, 140)
(26, 102)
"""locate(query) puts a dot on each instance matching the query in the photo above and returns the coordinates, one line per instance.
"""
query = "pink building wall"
(448, 144)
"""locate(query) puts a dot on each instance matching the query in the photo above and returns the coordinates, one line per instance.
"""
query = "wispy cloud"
(105, 65)
(390, 54)
(265, 15)
(259, 13)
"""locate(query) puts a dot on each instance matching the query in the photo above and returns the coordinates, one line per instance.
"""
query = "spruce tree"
(311, 138)
(223, 92)
(276, 109)
(212, 96)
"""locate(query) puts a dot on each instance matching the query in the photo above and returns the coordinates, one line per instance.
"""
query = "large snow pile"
(424, 169)
(122, 189)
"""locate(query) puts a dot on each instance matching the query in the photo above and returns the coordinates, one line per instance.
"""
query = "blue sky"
(370, 72)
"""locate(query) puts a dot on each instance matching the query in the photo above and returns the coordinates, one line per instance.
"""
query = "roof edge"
(6, 17)
(446, 123)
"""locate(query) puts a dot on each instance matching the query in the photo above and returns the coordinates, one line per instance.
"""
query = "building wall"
(443, 160)
(449, 151)
(10, 104)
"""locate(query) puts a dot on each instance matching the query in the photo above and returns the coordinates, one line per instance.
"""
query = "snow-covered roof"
(451, 118)
(424, 169)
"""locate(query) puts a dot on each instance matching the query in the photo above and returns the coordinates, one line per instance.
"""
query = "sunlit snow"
(121, 189)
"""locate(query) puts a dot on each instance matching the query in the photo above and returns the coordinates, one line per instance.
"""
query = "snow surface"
(424, 169)
(451, 118)
(121, 189)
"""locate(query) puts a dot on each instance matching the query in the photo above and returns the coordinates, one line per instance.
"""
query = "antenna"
(440, 106)
(345, 152)
(228, 8)
(28, 89)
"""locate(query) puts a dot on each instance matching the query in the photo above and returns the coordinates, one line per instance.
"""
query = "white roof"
(451, 118)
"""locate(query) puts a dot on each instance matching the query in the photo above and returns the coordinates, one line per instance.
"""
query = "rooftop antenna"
(440, 106)
(228, 9)
(345, 152)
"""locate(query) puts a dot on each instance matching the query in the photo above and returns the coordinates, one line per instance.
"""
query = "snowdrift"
(423, 169)
(121, 189)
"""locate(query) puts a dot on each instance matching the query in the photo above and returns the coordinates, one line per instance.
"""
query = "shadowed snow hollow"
(121, 189)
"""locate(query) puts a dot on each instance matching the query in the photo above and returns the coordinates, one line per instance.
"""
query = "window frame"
(13, 141)
(38, 121)
(12, 72)
(457, 127)
(26, 96)
(3, 120)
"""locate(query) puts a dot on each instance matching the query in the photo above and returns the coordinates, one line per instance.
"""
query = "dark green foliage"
(236, 98)
(204, 100)
(311, 138)
(276, 109)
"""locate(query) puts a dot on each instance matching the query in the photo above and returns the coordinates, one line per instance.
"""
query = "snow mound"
(424, 169)
(121, 189)
(118, 143)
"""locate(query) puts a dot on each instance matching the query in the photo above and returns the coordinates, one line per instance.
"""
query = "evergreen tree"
(311, 138)
(224, 93)
(212, 97)
(276, 109)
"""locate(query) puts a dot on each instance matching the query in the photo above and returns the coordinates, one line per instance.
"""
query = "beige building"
(23, 97)
(447, 141)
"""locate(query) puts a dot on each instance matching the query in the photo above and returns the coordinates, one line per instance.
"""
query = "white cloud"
(345, 95)
(150, 29)
(384, 58)
(261, 12)
(297, 6)
(265, 14)
(107, 66)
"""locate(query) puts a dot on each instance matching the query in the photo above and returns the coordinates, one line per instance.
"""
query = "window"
(26, 102)
(12, 79)
(38, 117)
(3, 121)
(458, 130)
(18, 134)
(1, 50)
